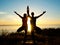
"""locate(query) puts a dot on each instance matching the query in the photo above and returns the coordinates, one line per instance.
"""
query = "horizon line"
(20, 24)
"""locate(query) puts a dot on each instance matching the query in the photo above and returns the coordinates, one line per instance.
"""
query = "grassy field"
(50, 36)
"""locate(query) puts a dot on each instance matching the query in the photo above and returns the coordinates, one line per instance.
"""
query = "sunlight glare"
(29, 25)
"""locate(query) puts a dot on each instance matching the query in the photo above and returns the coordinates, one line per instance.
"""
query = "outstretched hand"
(14, 11)
(44, 12)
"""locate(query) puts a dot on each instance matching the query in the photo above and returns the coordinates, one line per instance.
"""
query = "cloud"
(3, 13)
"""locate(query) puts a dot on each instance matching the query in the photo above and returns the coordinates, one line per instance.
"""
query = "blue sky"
(52, 8)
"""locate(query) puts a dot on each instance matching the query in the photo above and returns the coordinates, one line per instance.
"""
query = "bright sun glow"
(29, 25)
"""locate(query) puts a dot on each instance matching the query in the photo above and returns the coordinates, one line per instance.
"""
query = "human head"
(32, 13)
(25, 15)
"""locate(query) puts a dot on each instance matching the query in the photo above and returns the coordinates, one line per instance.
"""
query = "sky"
(8, 17)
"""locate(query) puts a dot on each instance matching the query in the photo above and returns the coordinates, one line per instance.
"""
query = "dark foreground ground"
(49, 36)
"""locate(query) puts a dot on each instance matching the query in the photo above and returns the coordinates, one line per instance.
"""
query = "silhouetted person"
(24, 22)
(33, 22)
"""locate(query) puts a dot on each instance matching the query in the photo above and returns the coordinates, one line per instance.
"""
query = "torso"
(24, 21)
(33, 21)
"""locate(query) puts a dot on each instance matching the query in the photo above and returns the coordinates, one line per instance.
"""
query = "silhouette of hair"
(32, 13)
(25, 15)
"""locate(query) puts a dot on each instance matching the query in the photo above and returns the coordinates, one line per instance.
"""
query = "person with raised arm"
(33, 21)
(24, 22)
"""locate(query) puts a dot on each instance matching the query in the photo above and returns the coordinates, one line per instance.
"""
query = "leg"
(20, 29)
(25, 36)
(38, 30)
(33, 38)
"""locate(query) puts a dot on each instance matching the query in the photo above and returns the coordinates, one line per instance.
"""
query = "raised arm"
(41, 14)
(17, 14)
(28, 11)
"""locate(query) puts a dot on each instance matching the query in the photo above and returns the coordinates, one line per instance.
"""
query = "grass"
(50, 36)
